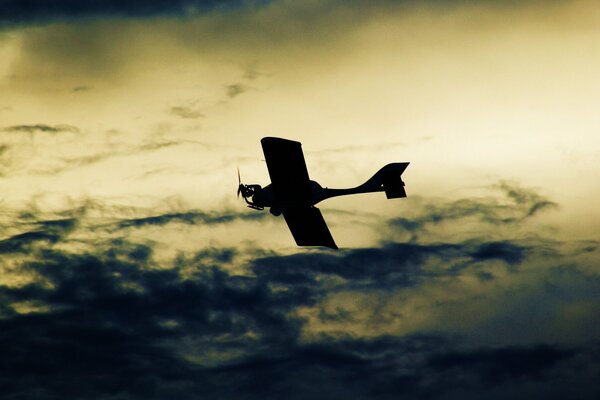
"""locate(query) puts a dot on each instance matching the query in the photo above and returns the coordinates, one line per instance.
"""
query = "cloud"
(531, 202)
(235, 89)
(190, 217)
(493, 366)
(46, 232)
(77, 89)
(186, 112)
(89, 35)
(505, 251)
(68, 163)
(391, 267)
(42, 128)
(116, 314)
(100, 315)
(522, 205)
(109, 323)
(14, 11)
(362, 148)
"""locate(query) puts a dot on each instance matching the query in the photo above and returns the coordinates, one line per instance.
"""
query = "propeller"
(247, 191)
(239, 183)
(244, 190)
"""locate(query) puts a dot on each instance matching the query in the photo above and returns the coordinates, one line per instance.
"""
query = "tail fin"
(388, 178)
(393, 184)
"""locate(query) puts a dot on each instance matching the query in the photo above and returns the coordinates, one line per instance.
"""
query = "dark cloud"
(493, 366)
(42, 128)
(15, 11)
(45, 232)
(27, 11)
(505, 251)
(393, 265)
(113, 320)
(119, 327)
(116, 326)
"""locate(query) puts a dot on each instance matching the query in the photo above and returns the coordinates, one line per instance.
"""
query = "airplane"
(293, 194)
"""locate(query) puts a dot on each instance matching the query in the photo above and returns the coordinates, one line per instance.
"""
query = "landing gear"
(275, 211)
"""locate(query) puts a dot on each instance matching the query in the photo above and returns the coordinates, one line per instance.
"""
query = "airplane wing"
(308, 227)
(287, 168)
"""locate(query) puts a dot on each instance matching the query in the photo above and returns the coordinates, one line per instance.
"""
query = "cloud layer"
(101, 316)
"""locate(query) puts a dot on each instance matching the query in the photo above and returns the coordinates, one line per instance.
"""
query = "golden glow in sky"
(469, 94)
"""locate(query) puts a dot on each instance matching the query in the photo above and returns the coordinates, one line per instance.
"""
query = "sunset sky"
(129, 269)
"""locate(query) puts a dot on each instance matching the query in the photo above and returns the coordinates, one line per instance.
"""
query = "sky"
(129, 269)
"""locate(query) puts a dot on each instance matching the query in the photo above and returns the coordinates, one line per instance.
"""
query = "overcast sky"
(129, 269)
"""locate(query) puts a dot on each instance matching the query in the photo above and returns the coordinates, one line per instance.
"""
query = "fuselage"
(268, 197)
(386, 179)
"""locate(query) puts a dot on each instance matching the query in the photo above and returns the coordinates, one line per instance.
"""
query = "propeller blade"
(239, 183)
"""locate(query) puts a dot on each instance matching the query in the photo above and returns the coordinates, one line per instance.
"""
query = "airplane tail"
(388, 178)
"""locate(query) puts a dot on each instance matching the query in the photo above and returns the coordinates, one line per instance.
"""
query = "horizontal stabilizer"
(308, 227)
(393, 186)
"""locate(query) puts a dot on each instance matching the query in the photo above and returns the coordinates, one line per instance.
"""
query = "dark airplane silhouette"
(294, 195)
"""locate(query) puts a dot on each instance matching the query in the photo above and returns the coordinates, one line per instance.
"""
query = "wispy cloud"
(190, 217)
(187, 112)
(42, 128)
(235, 89)
(78, 89)
(519, 205)
(68, 163)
